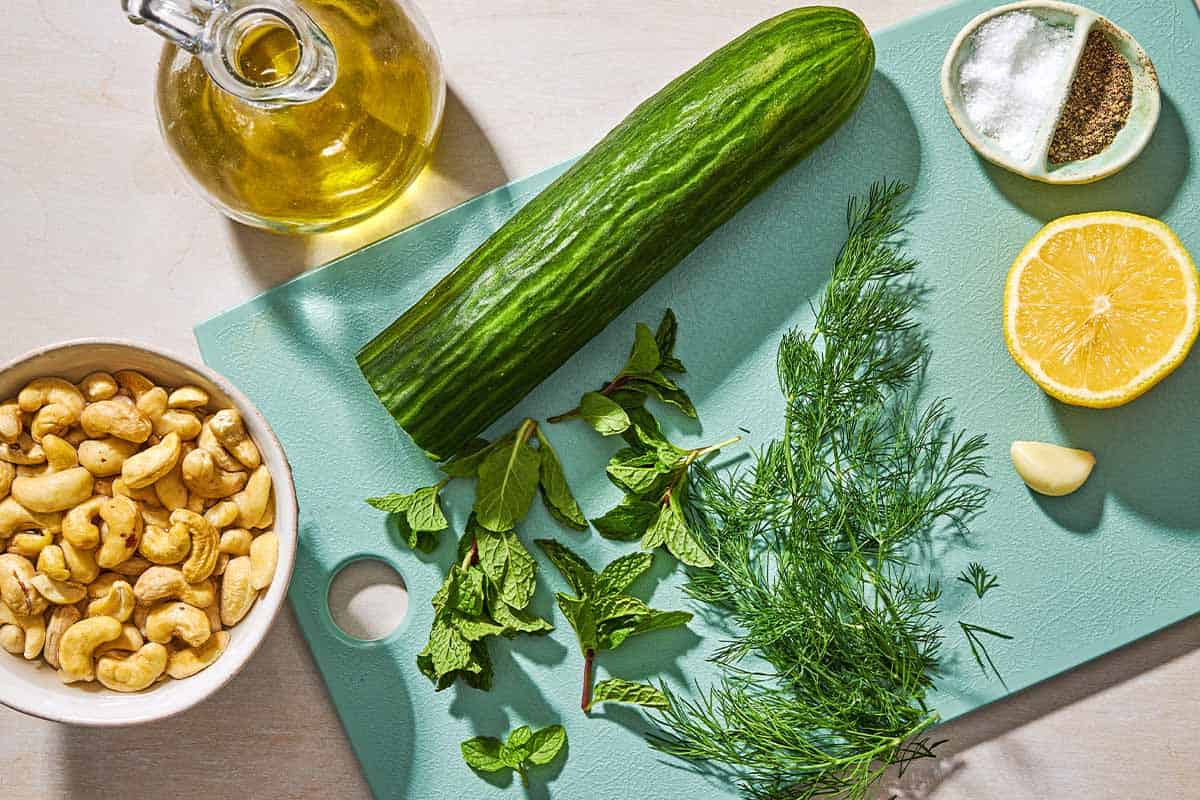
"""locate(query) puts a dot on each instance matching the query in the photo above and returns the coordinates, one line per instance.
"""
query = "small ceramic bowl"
(32, 686)
(1130, 141)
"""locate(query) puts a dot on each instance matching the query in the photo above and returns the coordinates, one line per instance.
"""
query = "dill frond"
(835, 638)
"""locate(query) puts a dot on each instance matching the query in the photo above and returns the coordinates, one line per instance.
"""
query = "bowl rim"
(285, 490)
(1093, 19)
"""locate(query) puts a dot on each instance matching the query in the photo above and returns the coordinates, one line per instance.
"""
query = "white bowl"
(1129, 142)
(32, 686)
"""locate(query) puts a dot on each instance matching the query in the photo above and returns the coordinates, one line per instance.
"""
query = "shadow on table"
(464, 164)
(922, 779)
(237, 738)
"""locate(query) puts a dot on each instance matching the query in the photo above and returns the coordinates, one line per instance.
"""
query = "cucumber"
(628, 211)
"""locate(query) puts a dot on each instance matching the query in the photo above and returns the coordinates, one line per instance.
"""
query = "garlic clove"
(1050, 469)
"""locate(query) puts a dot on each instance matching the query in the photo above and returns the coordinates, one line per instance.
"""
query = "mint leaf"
(492, 550)
(448, 649)
(473, 629)
(619, 574)
(466, 590)
(424, 513)
(628, 399)
(478, 672)
(520, 577)
(422, 541)
(579, 613)
(546, 744)
(660, 620)
(611, 634)
(628, 521)
(603, 414)
(615, 690)
(576, 571)
(664, 337)
(483, 753)
(466, 463)
(636, 473)
(508, 480)
(671, 396)
(644, 356)
(514, 751)
(616, 606)
(391, 503)
(555, 492)
(678, 539)
(517, 620)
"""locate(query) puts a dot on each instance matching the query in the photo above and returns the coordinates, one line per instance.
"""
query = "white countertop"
(105, 238)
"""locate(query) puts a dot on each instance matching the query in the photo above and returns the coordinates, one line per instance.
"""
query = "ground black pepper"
(1098, 105)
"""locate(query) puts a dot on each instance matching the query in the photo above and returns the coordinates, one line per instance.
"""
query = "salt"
(1012, 79)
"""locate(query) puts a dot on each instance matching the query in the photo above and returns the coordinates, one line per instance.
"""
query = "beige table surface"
(102, 237)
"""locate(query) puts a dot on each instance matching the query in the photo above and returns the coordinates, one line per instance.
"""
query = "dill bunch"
(836, 643)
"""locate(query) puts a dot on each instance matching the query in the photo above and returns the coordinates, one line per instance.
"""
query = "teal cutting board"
(1079, 575)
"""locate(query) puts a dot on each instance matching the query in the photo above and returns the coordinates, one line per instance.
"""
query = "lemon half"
(1100, 307)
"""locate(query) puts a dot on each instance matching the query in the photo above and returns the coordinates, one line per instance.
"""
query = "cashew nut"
(222, 514)
(133, 383)
(168, 620)
(77, 525)
(117, 603)
(227, 426)
(213, 613)
(144, 495)
(80, 563)
(207, 440)
(167, 583)
(61, 593)
(140, 615)
(190, 397)
(57, 402)
(205, 544)
(167, 545)
(53, 563)
(237, 593)
(134, 672)
(116, 418)
(132, 567)
(12, 639)
(103, 486)
(264, 554)
(190, 660)
(33, 628)
(129, 641)
(53, 491)
(98, 386)
(204, 478)
(236, 542)
(170, 489)
(16, 586)
(155, 462)
(23, 452)
(30, 544)
(195, 503)
(252, 500)
(7, 473)
(61, 618)
(152, 403)
(105, 457)
(184, 423)
(60, 454)
(120, 532)
(15, 517)
(11, 421)
(78, 644)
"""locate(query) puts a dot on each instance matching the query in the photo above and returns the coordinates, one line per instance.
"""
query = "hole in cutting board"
(367, 599)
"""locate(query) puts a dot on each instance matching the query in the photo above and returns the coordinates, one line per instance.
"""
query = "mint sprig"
(645, 374)
(523, 749)
(603, 617)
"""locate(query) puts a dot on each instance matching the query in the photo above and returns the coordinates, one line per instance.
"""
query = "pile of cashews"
(136, 526)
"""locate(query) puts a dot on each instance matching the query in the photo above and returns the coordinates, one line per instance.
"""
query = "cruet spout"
(217, 32)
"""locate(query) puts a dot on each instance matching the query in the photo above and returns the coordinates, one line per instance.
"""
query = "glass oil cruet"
(296, 115)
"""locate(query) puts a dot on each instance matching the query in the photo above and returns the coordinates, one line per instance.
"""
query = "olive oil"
(307, 166)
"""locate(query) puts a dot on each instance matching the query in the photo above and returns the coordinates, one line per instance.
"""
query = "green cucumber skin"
(629, 210)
